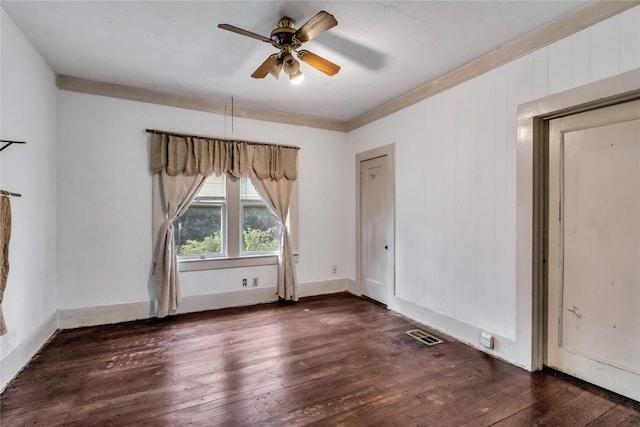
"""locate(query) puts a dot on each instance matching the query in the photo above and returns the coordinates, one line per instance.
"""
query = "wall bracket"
(8, 143)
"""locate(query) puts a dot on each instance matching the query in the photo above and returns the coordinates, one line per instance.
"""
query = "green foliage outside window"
(260, 240)
(199, 222)
(260, 229)
(198, 231)
(209, 245)
(254, 241)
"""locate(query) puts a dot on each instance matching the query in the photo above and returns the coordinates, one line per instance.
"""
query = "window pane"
(213, 189)
(248, 191)
(199, 230)
(260, 229)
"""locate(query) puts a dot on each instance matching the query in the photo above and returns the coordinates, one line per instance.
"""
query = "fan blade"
(318, 62)
(316, 25)
(270, 66)
(243, 32)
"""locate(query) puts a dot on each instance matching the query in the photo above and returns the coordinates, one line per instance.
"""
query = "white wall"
(105, 200)
(455, 183)
(28, 113)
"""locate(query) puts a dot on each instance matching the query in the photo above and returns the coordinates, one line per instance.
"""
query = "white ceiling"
(385, 48)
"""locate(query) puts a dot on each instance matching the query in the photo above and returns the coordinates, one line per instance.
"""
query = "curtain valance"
(191, 155)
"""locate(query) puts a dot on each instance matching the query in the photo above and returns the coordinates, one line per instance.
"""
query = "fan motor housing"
(284, 34)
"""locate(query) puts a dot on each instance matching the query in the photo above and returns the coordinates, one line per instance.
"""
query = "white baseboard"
(504, 347)
(240, 298)
(353, 287)
(116, 313)
(322, 287)
(22, 354)
(103, 314)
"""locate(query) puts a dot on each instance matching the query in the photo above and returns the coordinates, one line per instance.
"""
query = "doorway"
(593, 218)
(375, 224)
(533, 207)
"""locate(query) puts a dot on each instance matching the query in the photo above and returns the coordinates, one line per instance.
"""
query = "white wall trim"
(103, 314)
(14, 362)
(93, 87)
(239, 298)
(322, 287)
(466, 333)
(458, 329)
(353, 286)
(530, 196)
(116, 313)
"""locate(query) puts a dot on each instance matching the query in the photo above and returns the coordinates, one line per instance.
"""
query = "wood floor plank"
(578, 411)
(633, 420)
(540, 387)
(614, 416)
(326, 361)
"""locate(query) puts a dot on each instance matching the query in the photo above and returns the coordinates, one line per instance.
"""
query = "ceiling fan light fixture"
(290, 65)
(274, 69)
(287, 39)
(296, 78)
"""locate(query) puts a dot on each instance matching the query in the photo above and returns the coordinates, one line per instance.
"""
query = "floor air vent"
(424, 337)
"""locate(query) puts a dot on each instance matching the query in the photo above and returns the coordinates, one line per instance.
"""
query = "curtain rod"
(162, 132)
(9, 193)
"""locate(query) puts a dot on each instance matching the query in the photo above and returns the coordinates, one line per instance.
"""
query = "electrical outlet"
(255, 281)
(244, 282)
(335, 269)
(486, 340)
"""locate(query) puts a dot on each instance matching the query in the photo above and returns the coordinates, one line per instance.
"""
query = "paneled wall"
(455, 179)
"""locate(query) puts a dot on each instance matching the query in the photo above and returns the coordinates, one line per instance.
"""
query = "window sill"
(220, 263)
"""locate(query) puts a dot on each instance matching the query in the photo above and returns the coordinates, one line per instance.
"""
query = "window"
(200, 232)
(226, 220)
(260, 228)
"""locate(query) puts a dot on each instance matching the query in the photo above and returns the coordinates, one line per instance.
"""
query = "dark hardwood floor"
(328, 360)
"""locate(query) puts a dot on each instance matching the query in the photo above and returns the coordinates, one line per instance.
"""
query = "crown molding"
(563, 27)
(567, 25)
(93, 87)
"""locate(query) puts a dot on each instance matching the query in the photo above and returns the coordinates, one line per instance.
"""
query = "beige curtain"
(270, 161)
(185, 155)
(5, 236)
(184, 163)
(177, 193)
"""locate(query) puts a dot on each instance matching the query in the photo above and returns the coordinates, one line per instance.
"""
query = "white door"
(375, 229)
(594, 247)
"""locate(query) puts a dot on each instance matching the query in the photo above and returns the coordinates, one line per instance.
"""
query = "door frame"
(531, 200)
(389, 151)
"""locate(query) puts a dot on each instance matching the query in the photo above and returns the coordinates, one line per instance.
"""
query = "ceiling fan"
(288, 39)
